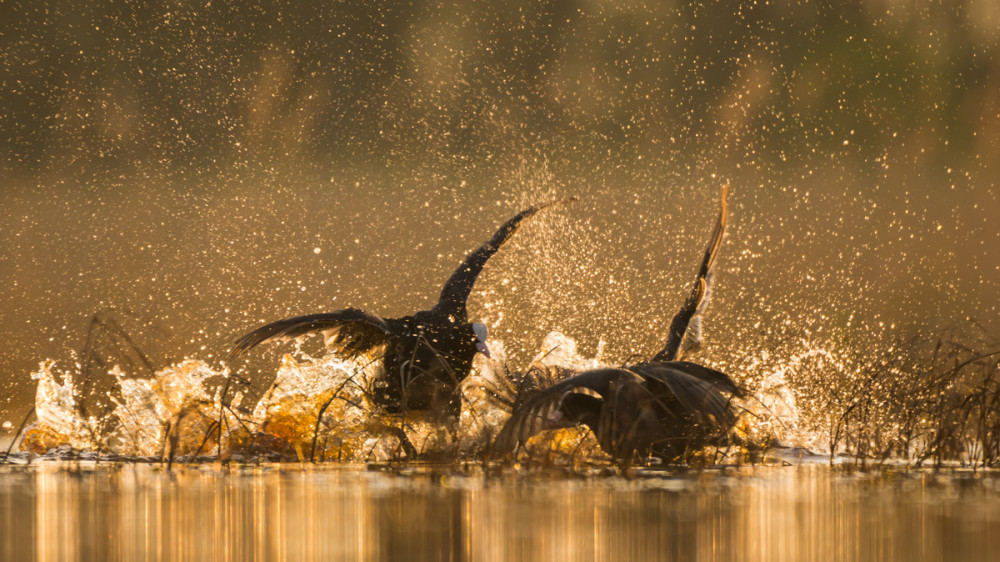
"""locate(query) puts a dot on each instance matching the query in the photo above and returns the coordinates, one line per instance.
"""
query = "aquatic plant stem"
(18, 434)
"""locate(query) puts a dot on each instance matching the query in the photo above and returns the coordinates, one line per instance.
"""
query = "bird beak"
(481, 348)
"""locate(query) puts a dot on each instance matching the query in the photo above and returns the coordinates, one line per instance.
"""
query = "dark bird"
(662, 407)
(424, 356)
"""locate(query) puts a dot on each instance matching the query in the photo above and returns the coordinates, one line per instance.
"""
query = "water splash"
(559, 350)
(773, 411)
(173, 405)
(59, 421)
(318, 408)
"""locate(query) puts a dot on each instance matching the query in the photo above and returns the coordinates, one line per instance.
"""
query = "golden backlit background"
(210, 166)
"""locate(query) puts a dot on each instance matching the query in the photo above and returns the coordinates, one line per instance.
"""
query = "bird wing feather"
(704, 394)
(698, 300)
(351, 331)
(457, 288)
(536, 412)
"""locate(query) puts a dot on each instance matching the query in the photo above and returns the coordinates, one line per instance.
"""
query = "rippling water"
(280, 512)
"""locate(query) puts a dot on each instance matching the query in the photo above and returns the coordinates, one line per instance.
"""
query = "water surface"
(287, 512)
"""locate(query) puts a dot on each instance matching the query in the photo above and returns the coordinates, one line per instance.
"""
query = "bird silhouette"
(662, 407)
(425, 355)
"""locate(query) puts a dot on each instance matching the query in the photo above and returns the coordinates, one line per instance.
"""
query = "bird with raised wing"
(424, 356)
(662, 407)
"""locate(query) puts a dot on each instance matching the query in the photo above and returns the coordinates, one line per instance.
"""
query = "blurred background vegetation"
(210, 166)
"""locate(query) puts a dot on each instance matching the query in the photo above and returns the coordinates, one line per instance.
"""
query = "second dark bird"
(662, 407)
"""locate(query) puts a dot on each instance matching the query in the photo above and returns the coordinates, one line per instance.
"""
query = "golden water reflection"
(143, 512)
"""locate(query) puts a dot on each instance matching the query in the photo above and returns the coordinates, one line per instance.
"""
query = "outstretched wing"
(350, 331)
(458, 287)
(571, 400)
(704, 394)
(698, 300)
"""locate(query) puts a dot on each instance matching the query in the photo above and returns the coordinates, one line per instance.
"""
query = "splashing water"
(315, 408)
(318, 409)
(559, 350)
(773, 411)
(175, 403)
(59, 422)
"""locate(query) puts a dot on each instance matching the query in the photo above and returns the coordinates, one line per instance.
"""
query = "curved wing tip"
(244, 343)
(236, 350)
(570, 199)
